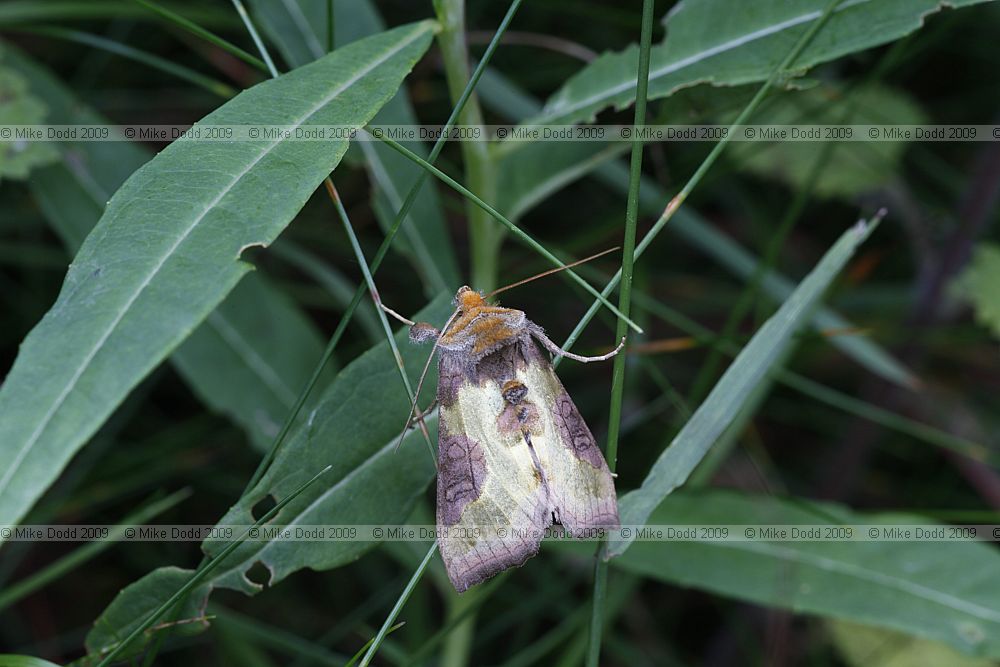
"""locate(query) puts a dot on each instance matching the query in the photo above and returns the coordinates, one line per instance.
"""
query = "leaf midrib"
(78, 373)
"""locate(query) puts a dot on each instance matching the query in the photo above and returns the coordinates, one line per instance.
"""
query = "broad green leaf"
(866, 646)
(251, 357)
(980, 284)
(771, 342)
(729, 43)
(19, 106)
(299, 30)
(138, 600)
(945, 591)
(354, 428)
(167, 251)
(562, 158)
(254, 350)
(854, 167)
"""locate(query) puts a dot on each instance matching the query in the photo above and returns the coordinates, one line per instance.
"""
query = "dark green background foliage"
(164, 306)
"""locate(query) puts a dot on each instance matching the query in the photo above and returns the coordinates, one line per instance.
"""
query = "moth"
(514, 454)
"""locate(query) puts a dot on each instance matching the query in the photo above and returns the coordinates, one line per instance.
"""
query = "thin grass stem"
(703, 168)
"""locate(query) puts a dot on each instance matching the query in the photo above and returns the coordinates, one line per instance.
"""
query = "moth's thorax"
(481, 328)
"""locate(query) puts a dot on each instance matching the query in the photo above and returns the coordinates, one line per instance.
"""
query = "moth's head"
(421, 332)
(467, 299)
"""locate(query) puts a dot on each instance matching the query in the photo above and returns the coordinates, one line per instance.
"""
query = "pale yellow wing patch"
(580, 484)
(502, 526)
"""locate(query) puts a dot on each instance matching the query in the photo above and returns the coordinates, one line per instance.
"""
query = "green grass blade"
(204, 571)
(769, 344)
(124, 50)
(692, 182)
(73, 560)
(517, 231)
(383, 320)
(198, 31)
(726, 43)
(624, 305)
(255, 36)
(398, 607)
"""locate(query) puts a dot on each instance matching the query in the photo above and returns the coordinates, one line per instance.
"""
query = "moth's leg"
(559, 352)
(418, 414)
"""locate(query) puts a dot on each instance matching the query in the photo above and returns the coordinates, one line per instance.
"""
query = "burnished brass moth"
(514, 454)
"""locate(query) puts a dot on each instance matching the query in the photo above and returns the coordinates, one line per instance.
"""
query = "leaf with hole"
(354, 428)
(166, 252)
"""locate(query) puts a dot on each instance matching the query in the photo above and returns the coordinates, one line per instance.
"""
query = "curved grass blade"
(167, 251)
(517, 231)
(753, 363)
(198, 31)
(138, 55)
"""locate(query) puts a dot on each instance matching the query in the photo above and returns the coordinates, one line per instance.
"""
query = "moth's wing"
(581, 489)
(492, 506)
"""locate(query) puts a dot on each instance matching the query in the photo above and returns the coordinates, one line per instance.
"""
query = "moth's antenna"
(550, 272)
(423, 375)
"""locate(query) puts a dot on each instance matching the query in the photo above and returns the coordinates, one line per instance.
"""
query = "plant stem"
(624, 303)
(480, 172)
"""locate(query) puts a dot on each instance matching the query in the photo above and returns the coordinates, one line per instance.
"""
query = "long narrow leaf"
(167, 251)
(752, 365)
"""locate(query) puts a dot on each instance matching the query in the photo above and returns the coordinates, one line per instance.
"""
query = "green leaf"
(979, 284)
(866, 646)
(299, 30)
(945, 591)
(727, 44)
(9, 660)
(251, 357)
(18, 106)
(255, 349)
(533, 171)
(138, 600)
(854, 167)
(167, 250)
(564, 158)
(771, 342)
(354, 427)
